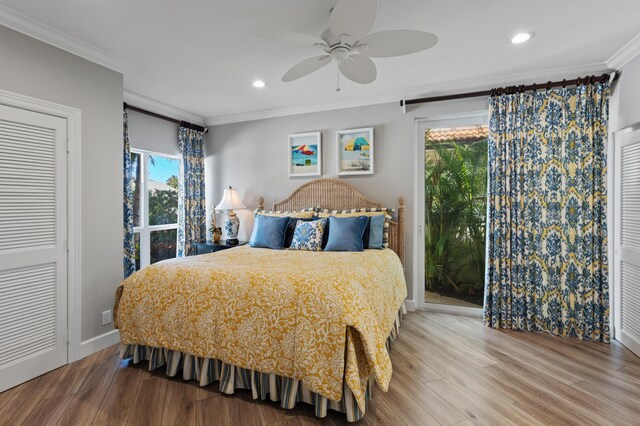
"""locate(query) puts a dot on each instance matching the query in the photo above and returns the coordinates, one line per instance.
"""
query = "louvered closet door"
(627, 245)
(33, 253)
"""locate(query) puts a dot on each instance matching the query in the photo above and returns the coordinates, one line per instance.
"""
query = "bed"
(290, 326)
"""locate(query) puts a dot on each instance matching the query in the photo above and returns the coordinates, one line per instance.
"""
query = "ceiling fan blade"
(359, 69)
(289, 38)
(353, 18)
(306, 67)
(385, 44)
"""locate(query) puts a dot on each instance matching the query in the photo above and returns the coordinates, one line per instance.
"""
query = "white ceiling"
(199, 56)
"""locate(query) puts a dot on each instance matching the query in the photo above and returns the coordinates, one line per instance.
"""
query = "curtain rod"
(515, 89)
(164, 117)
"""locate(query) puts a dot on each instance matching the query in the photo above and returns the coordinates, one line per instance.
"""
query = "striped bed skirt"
(286, 390)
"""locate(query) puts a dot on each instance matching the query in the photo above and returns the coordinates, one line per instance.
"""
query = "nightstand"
(210, 246)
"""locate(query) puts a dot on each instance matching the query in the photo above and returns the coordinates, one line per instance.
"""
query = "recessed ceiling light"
(259, 84)
(521, 38)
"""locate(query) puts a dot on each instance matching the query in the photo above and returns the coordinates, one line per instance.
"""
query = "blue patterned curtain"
(129, 260)
(546, 224)
(191, 195)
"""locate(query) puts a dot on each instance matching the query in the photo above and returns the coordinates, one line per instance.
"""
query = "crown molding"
(450, 87)
(625, 55)
(161, 108)
(36, 29)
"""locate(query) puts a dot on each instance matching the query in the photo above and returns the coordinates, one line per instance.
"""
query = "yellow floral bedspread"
(291, 313)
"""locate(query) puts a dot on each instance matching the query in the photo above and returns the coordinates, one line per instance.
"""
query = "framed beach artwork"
(355, 151)
(305, 154)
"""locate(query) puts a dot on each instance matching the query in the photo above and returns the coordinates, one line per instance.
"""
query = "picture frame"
(355, 148)
(305, 154)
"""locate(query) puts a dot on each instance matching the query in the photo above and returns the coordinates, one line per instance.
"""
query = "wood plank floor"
(448, 370)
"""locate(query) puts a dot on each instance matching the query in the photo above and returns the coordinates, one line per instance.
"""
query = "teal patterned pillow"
(308, 235)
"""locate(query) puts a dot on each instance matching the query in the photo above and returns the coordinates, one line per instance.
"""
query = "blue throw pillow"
(269, 232)
(376, 232)
(345, 233)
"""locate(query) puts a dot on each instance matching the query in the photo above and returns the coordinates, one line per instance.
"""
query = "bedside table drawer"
(211, 247)
(204, 248)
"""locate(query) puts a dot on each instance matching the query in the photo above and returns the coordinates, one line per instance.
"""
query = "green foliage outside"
(163, 206)
(173, 182)
(455, 212)
(163, 209)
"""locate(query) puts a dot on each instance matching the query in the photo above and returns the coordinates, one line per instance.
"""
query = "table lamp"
(231, 200)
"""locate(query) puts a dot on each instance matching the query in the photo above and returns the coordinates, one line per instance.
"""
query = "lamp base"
(231, 226)
(232, 241)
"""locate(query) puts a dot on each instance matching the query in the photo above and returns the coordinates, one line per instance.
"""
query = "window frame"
(145, 229)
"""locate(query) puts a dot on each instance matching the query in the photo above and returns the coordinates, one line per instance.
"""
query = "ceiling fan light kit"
(346, 42)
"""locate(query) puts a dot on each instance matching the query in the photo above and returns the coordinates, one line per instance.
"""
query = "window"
(155, 206)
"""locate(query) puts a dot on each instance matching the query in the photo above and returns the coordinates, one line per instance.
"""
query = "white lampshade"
(230, 200)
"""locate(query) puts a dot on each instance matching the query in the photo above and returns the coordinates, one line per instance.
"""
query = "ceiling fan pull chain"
(338, 84)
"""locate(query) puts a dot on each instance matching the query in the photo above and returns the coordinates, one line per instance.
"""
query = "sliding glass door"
(453, 175)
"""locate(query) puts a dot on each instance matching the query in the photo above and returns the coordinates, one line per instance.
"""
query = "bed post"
(260, 203)
(401, 229)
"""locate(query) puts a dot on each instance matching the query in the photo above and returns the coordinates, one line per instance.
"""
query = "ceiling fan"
(346, 42)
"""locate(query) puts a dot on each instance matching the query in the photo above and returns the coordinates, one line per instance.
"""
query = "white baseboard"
(630, 342)
(410, 305)
(453, 310)
(98, 343)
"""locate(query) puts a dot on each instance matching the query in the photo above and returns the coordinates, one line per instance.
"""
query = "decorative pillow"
(325, 237)
(367, 231)
(376, 232)
(302, 214)
(308, 235)
(312, 209)
(346, 233)
(269, 232)
(291, 228)
(374, 211)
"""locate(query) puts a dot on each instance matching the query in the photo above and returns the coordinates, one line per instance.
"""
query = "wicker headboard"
(334, 194)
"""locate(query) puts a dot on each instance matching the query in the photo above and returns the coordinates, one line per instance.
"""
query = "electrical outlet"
(106, 317)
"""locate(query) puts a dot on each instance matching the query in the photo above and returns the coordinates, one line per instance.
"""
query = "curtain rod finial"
(613, 76)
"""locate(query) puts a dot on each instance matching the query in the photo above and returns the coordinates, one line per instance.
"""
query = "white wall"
(252, 156)
(32, 68)
(152, 134)
(625, 108)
